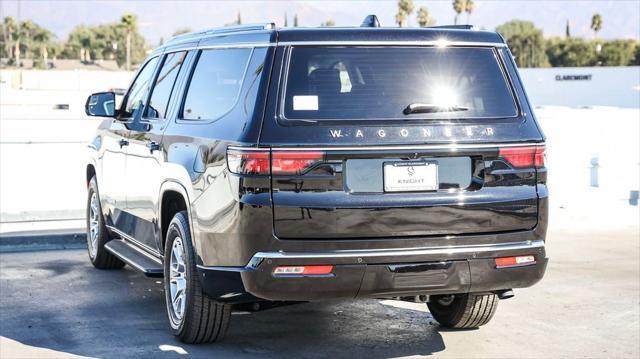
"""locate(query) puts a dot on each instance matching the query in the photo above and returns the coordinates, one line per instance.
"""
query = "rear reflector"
(303, 270)
(253, 161)
(524, 157)
(519, 261)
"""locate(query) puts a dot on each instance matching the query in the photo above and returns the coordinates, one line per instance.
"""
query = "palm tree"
(458, 7)
(130, 24)
(25, 30)
(42, 38)
(468, 8)
(9, 34)
(405, 8)
(424, 18)
(295, 20)
(596, 24)
(286, 23)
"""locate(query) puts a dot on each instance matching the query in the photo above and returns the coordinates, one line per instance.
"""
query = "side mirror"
(101, 104)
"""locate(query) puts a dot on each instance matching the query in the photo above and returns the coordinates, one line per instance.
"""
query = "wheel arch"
(173, 199)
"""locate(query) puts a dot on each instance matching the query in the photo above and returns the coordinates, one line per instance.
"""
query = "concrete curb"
(42, 240)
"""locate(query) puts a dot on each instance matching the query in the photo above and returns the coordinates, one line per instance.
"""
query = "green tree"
(618, 53)
(468, 8)
(9, 35)
(636, 58)
(424, 18)
(81, 39)
(130, 23)
(571, 52)
(405, 9)
(42, 38)
(182, 30)
(458, 7)
(526, 43)
(328, 23)
(596, 24)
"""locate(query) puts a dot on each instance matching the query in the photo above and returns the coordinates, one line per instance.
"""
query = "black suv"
(253, 166)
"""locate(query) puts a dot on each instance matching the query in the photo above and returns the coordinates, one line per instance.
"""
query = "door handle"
(123, 142)
(153, 146)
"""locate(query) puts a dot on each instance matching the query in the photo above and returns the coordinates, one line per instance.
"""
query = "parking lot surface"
(55, 304)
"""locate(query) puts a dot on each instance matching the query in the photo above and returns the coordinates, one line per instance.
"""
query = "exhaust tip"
(505, 294)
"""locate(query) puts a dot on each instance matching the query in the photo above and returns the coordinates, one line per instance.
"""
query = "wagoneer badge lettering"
(467, 131)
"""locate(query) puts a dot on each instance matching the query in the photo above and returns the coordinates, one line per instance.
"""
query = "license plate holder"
(410, 176)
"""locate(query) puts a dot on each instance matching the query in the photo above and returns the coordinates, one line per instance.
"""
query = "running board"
(128, 253)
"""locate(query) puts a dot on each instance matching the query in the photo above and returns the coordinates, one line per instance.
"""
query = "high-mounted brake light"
(519, 261)
(262, 162)
(524, 157)
(302, 270)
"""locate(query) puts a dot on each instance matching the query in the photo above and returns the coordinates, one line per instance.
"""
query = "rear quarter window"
(215, 83)
(378, 83)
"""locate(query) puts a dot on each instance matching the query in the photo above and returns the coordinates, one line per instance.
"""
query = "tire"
(97, 234)
(195, 318)
(463, 311)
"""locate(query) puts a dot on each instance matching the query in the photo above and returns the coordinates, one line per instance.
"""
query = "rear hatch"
(380, 142)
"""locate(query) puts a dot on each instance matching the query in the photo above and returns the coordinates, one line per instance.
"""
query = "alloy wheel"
(177, 282)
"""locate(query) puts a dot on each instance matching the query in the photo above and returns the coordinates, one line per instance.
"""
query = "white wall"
(605, 86)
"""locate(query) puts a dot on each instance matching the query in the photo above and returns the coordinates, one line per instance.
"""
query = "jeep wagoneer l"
(252, 166)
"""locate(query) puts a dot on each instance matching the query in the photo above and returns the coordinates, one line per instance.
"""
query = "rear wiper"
(431, 108)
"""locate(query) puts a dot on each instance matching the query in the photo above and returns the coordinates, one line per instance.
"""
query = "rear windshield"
(408, 83)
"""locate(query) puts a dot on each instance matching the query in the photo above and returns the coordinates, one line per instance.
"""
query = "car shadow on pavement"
(61, 302)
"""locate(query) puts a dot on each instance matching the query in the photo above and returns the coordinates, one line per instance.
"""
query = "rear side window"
(161, 92)
(365, 83)
(215, 83)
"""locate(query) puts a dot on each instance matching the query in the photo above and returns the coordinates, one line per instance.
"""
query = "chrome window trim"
(436, 43)
(448, 146)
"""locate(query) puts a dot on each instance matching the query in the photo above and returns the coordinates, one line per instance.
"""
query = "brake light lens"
(519, 261)
(302, 270)
(262, 161)
(524, 157)
(293, 163)
(248, 161)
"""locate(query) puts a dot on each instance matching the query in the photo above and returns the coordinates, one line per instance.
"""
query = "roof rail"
(223, 30)
(454, 27)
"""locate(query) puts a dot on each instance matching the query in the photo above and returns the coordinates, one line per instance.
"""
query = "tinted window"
(380, 82)
(164, 85)
(215, 83)
(138, 90)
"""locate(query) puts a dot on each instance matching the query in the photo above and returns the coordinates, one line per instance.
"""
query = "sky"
(159, 19)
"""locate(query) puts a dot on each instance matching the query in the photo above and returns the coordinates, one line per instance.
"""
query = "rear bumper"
(378, 273)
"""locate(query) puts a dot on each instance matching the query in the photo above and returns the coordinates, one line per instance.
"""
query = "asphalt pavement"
(55, 304)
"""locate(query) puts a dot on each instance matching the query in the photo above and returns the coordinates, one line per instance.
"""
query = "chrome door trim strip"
(448, 146)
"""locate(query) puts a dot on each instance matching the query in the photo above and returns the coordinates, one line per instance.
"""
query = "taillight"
(524, 157)
(248, 161)
(261, 161)
(293, 163)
